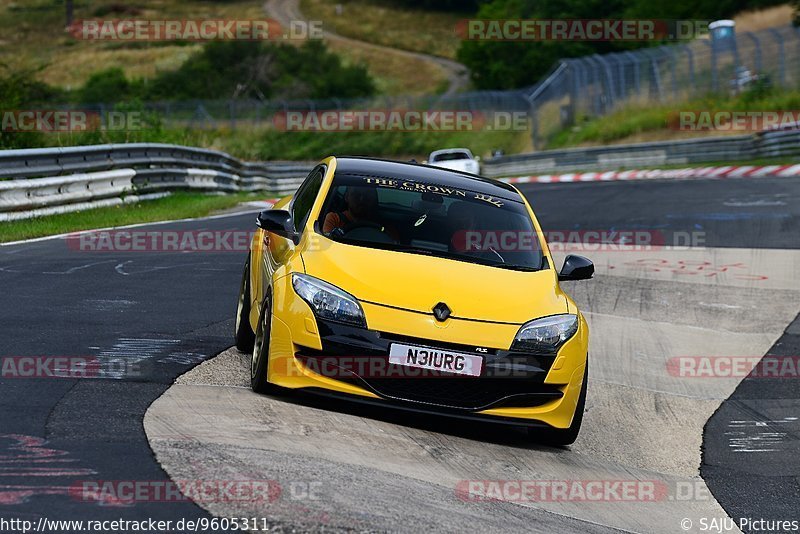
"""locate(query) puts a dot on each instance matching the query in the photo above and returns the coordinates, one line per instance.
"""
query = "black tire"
(244, 335)
(559, 437)
(260, 361)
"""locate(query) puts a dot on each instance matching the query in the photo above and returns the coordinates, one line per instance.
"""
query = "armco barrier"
(44, 181)
(683, 152)
(54, 180)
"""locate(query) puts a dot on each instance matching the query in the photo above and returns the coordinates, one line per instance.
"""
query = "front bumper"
(360, 357)
(330, 358)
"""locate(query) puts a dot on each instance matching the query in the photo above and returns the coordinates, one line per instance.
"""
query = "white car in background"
(459, 159)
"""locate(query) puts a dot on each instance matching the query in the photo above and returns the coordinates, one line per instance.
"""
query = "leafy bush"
(460, 6)
(19, 91)
(108, 85)
(239, 69)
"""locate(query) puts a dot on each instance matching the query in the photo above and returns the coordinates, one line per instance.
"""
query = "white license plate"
(435, 359)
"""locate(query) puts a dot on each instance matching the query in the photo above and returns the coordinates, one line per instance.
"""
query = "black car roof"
(417, 172)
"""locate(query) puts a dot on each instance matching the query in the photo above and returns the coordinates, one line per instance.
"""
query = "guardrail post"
(690, 66)
(578, 85)
(610, 91)
(673, 63)
(796, 34)
(596, 91)
(655, 78)
(756, 51)
(637, 82)
(576, 77)
(620, 89)
(534, 126)
(781, 55)
(714, 80)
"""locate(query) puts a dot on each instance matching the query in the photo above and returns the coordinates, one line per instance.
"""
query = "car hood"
(417, 283)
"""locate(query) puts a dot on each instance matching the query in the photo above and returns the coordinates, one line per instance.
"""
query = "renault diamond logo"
(441, 311)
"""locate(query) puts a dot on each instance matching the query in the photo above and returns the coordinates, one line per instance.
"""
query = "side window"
(304, 199)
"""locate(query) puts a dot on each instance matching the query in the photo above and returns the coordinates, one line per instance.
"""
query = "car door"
(277, 250)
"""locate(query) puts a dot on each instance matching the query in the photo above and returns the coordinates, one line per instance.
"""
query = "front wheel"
(260, 362)
(564, 436)
(244, 335)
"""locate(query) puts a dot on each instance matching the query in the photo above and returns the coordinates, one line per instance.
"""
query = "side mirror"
(278, 222)
(477, 158)
(576, 268)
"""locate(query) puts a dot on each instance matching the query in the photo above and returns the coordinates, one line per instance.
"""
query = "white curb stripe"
(716, 173)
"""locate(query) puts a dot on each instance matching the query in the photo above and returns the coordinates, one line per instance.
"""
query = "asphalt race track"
(345, 467)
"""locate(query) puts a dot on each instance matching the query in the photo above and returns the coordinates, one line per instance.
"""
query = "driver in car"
(362, 208)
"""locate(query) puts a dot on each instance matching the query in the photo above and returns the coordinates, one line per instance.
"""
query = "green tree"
(20, 91)
(239, 69)
(106, 86)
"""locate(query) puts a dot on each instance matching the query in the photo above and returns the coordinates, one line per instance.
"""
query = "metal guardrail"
(689, 151)
(36, 182)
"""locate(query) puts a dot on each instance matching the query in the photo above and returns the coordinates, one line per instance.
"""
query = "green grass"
(33, 35)
(34, 39)
(179, 205)
(614, 127)
(650, 122)
(260, 144)
(415, 29)
(270, 144)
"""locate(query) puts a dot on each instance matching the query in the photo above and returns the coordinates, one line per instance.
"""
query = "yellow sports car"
(418, 288)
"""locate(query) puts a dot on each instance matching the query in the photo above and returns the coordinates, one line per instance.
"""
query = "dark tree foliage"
(20, 91)
(107, 85)
(239, 69)
(460, 6)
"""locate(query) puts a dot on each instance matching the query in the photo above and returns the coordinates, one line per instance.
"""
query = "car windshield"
(432, 219)
(450, 156)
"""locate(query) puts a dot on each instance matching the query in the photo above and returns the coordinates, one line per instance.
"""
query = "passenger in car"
(361, 207)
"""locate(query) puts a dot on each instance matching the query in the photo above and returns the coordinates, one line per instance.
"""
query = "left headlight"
(547, 334)
(328, 301)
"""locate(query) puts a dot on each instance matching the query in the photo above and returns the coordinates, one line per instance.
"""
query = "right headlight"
(328, 301)
(545, 335)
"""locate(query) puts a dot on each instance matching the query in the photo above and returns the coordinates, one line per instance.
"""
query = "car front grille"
(468, 393)
(508, 379)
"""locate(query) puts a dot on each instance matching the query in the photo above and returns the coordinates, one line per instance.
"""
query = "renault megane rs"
(415, 287)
